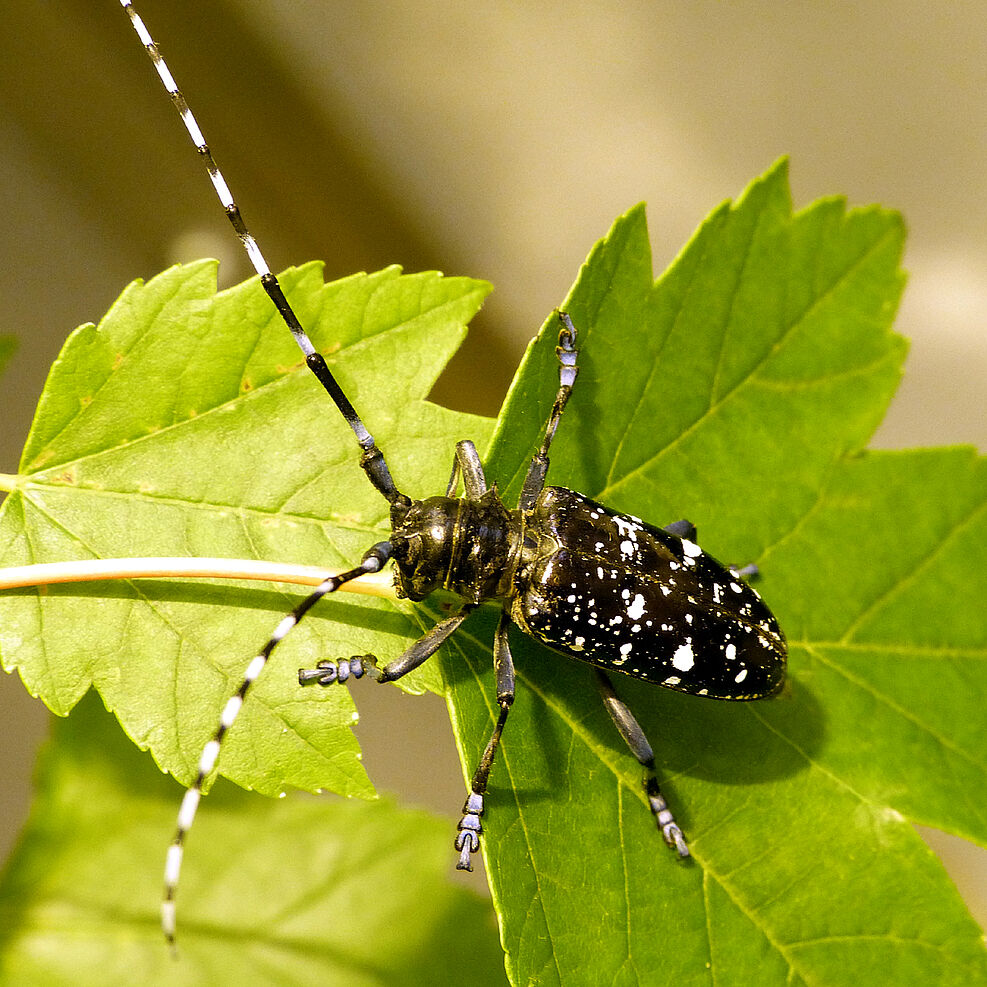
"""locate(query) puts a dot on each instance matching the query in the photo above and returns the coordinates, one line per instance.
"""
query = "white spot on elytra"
(691, 549)
(741, 675)
(627, 527)
(730, 652)
(684, 659)
(636, 608)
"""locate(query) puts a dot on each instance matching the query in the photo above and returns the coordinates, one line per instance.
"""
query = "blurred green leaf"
(291, 893)
(8, 346)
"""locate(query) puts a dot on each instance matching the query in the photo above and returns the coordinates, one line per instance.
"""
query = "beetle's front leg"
(328, 672)
(534, 481)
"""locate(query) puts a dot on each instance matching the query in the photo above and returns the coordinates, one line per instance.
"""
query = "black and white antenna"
(372, 461)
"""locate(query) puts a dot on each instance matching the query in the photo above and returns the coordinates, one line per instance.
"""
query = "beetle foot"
(666, 821)
(674, 838)
(468, 838)
(327, 672)
(749, 571)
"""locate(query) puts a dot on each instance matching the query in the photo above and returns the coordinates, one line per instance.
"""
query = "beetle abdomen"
(635, 599)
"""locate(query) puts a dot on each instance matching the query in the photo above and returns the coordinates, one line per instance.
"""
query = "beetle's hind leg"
(633, 735)
(681, 529)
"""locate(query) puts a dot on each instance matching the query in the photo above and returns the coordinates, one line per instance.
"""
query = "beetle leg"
(538, 469)
(681, 529)
(468, 837)
(748, 571)
(633, 735)
(687, 530)
(329, 672)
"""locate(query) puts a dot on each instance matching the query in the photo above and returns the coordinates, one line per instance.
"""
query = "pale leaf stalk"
(93, 570)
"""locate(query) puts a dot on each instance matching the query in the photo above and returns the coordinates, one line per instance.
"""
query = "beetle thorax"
(468, 547)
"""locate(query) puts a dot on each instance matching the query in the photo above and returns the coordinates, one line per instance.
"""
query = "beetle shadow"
(726, 743)
(243, 597)
(731, 742)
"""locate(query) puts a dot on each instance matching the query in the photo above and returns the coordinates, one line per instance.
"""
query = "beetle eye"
(406, 551)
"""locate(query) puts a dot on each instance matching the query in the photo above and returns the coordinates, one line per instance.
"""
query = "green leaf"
(187, 424)
(79, 899)
(737, 391)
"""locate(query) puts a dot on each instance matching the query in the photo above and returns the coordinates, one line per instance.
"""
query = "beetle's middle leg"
(687, 530)
(468, 838)
(328, 672)
(633, 735)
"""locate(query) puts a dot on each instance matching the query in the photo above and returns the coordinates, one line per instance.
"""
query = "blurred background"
(498, 140)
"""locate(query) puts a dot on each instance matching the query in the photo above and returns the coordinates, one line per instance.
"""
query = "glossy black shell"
(611, 590)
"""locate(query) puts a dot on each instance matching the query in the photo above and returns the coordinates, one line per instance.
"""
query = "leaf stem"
(92, 570)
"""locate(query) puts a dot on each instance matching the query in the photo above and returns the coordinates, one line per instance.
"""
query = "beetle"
(593, 584)
(590, 583)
